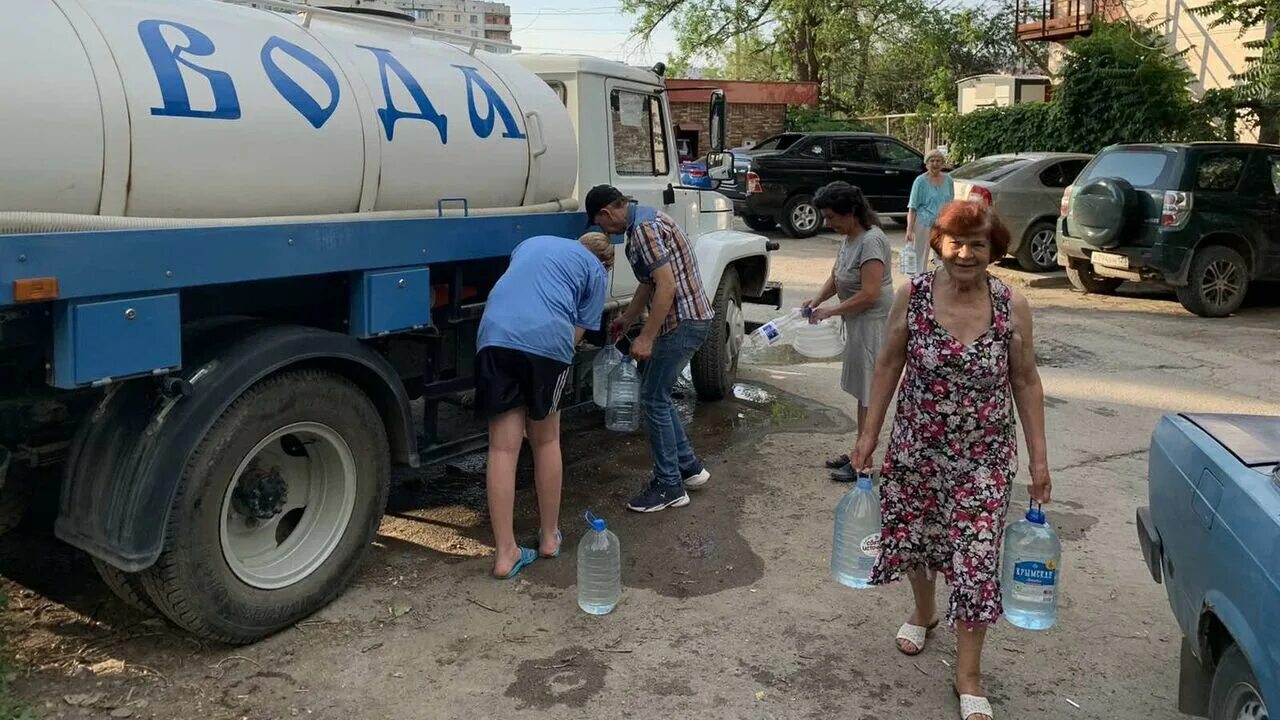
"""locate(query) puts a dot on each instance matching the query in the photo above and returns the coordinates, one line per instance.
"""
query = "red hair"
(964, 217)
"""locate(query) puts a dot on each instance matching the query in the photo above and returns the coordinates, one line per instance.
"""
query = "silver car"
(1026, 192)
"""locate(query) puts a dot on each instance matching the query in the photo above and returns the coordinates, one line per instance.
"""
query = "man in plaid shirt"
(680, 316)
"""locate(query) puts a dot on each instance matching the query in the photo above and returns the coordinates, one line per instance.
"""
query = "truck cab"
(631, 145)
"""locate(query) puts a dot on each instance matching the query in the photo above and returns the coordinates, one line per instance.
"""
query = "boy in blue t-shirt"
(552, 293)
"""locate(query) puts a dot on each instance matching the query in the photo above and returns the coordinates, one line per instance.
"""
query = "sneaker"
(697, 482)
(657, 499)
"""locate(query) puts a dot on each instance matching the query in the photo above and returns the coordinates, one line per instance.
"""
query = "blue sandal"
(527, 557)
(559, 544)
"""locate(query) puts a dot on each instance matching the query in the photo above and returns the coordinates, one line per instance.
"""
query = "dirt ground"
(728, 610)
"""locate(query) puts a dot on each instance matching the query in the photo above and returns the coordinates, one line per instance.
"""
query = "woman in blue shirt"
(929, 193)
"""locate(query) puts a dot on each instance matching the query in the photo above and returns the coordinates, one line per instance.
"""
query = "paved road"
(729, 611)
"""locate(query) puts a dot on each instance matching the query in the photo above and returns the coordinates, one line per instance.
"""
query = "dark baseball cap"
(599, 198)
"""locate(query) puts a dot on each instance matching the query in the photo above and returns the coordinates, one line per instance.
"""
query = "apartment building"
(469, 18)
(473, 19)
(1213, 55)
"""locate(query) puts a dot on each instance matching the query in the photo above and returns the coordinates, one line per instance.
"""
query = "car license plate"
(1119, 262)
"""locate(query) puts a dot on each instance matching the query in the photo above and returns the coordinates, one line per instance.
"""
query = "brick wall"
(746, 121)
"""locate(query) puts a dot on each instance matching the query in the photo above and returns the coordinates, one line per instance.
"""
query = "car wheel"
(715, 365)
(1084, 279)
(1217, 283)
(1039, 249)
(1235, 694)
(760, 223)
(800, 219)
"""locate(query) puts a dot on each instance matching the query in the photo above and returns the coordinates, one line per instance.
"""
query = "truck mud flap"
(772, 296)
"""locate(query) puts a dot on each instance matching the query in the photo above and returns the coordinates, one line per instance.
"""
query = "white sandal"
(917, 635)
(971, 705)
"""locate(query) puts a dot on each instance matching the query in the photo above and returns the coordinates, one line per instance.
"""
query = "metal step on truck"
(240, 247)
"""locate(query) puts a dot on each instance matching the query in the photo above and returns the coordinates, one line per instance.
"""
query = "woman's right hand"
(862, 454)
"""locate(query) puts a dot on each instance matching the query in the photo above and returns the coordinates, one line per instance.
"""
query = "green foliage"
(1120, 84)
(1026, 127)
(868, 57)
(1258, 93)
(804, 119)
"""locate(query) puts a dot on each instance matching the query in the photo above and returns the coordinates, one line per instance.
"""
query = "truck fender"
(129, 455)
(719, 249)
(1218, 606)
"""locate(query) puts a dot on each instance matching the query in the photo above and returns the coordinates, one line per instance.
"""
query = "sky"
(579, 27)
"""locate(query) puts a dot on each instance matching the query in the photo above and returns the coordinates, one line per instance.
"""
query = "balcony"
(1062, 20)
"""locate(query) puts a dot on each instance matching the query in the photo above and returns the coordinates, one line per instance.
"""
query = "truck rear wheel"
(275, 510)
(1217, 283)
(715, 366)
(126, 586)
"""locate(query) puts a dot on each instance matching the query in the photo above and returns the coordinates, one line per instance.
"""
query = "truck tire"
(800, 219)
(1085, 280)
(1235, 692)
(760, 223)
(715, 365)
(1217, 283)
(126, 586)
(275, 509)
(1038, 251)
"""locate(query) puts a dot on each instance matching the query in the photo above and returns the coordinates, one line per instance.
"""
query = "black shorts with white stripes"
(507, 379)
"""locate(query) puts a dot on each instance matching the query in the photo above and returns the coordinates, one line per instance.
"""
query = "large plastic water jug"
(606, 360)
(820, 340)
(599, 568)
(908, 261)
(857, 535)
(622, 410)
(777, 330)
(1031, 573)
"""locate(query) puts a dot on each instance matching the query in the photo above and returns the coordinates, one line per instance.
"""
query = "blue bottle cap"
(864, 481)
(1035, 515)
(596, 523)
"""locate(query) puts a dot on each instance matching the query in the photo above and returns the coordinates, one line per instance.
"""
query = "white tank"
(201, 109)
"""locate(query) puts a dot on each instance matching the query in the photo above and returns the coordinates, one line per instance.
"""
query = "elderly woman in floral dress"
(964, 339)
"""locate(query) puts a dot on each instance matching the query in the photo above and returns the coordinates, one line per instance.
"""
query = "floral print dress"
(952, 456)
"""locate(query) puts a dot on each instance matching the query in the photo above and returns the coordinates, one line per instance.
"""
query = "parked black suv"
(1202, 217)
(777, 186)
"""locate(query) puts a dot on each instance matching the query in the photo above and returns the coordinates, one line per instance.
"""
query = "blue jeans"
(673, 458)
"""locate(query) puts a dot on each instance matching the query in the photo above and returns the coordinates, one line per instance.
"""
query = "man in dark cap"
(680, 316)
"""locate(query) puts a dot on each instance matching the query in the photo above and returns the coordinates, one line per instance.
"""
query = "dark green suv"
(1201, 217)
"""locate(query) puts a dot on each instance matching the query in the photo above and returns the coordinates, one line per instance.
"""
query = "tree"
(1259, 84)
(1122, 83)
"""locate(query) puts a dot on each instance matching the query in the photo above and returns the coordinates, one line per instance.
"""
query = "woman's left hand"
(820, 314)
(1041, 486)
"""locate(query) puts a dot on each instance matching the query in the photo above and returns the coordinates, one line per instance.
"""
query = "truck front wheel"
(275, 510)
(715, 366)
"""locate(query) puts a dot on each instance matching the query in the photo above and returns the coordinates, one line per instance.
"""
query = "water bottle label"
(770, 331)
(1035, 582)
(871, 545)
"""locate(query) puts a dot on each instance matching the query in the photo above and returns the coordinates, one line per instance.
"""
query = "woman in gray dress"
(862, 281)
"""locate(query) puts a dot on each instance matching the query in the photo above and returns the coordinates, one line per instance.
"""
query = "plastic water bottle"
(857, 535)
(599, 568)
(1031, 574)
(606, 360)
(908, 261)
(776, 330)
(622, 411)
